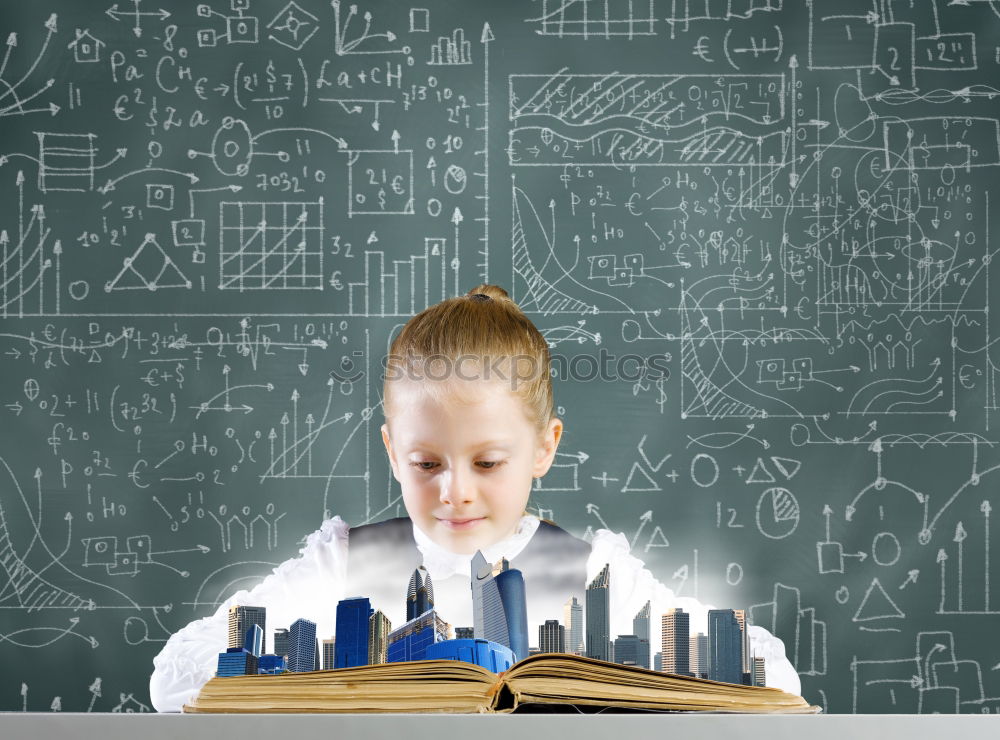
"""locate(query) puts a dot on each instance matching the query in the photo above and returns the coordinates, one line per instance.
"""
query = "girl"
(469, 423)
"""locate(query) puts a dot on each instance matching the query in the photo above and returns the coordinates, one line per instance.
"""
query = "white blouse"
(311, 584)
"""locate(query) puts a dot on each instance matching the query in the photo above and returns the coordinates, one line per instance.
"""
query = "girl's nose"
(457, 489)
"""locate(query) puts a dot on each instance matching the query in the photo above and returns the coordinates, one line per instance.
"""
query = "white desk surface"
(41, 726)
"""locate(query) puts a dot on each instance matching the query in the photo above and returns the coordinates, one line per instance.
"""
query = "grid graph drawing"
(271, 246)
(595, 18)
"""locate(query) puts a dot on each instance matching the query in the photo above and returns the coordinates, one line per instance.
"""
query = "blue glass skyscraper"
(598, 615)
(499, 605)
(253, 641)
(724, 646)
(351, 648)
(410, 642)
(301, 646)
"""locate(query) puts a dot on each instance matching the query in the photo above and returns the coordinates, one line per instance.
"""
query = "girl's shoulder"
(551, 535)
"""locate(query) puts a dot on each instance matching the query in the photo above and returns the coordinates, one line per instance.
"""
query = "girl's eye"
(485, 464)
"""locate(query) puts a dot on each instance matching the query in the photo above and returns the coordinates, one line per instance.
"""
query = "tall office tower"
(316, 656)
(281, 642)
(746, 665)
(379, 628)
(551, 637)
(352, 632)
(657, 661)
(499, 606)
(573, 621)
(759, 675)
(640, 628)
(465, 633)
(699, 655)
(724, 648)
(629, 649)
(301, 646)
(599, 616)
(328, 648)
(411, 641)
(240, 619)
(253, 642)
(420, 594)
(675, 645)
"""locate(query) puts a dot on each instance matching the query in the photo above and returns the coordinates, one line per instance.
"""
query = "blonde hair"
(483, 323)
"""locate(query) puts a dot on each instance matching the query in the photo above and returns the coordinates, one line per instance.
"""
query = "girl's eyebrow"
(504, 444)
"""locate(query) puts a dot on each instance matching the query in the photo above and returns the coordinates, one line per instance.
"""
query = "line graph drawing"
(595, 19)
(13, 98)
(267, 245)
(646, 120)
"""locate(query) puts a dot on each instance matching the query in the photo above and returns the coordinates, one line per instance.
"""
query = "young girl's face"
(465, 459)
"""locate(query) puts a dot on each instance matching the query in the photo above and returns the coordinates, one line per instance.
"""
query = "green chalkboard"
(216, 216)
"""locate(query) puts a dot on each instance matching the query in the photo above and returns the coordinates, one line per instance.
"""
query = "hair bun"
(485, 292)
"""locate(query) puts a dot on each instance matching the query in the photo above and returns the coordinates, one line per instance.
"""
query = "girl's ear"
(388, 449)
(546, 451)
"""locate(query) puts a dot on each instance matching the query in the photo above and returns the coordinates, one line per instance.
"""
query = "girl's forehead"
(449, 393)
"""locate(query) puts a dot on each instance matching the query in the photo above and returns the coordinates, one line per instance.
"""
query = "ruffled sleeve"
(632, 585)
(307, 586)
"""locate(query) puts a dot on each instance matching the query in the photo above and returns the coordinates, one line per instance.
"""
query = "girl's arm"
(632, 585)
(308, 586)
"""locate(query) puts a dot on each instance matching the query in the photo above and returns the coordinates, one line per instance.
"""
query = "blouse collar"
(441, 563)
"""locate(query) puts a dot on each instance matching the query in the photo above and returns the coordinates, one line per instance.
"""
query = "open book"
(543, 681)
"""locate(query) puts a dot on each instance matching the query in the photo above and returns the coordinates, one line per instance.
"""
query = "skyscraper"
(420, 594)
(699, 655)
(675, 644)
(253, 642)
(379, 628)
(724, 646)
(573, 621)
(759, 675)
(411, 641)
(628, 650)
(746, 666)
(302, 645)
(281, 642)
(551, 637)
(499, 606)
(352, 632)
(599, 616)
(640, 628)
(240, 619)
(328, 653)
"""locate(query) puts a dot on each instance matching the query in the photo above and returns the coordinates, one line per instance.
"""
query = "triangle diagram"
(642, 480)
(657, 539)
(786, 466)
(877, 605)
(760, 473)
(149, 268)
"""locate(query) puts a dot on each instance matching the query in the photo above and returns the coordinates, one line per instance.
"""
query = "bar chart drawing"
(803, 634)
(453, 50)
(409, 285)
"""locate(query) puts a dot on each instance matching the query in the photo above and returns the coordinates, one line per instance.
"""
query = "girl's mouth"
(461, 524)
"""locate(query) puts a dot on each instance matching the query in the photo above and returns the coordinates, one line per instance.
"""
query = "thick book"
(544, 682)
